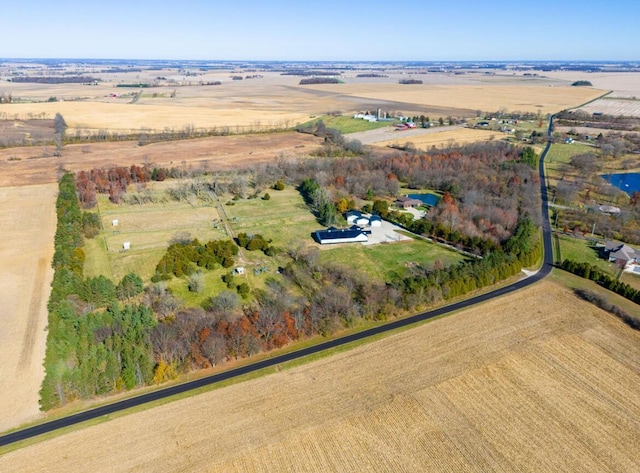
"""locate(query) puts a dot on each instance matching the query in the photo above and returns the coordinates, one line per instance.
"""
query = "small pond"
(629, 182)
(427, 199)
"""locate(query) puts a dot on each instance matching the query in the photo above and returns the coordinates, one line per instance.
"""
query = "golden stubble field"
(28, 221)
(536, 381)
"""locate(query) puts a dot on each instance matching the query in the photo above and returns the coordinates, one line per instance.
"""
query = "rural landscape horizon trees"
(189, 192)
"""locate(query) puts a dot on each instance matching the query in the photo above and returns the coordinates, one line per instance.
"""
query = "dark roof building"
(620, 252)
(341, 235)
(406, 202)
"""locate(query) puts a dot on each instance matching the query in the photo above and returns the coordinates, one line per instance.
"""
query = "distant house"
(623, 255)
(341, 235)
(609, 209)
(405, 202)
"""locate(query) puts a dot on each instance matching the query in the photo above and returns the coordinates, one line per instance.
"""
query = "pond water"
(629, 182)
(428, 199)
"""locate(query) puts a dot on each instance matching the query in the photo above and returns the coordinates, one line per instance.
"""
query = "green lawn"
(388, 260)
(580, 250)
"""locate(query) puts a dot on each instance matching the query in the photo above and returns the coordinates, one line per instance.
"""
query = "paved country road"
(216, 378)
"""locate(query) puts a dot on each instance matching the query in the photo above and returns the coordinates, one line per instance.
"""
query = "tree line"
(588, 271)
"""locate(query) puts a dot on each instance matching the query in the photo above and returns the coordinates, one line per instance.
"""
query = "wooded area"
(106, 336)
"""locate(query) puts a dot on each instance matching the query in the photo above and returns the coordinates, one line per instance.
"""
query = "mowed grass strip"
(388, 260)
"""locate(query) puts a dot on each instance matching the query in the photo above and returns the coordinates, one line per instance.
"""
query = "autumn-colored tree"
(342, 206)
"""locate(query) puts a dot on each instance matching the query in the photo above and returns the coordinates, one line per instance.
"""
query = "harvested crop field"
(486, 97)
(34, 164)
(28, 222)
(446, 138)
(125, 117)
(614, 106)
(534, 381)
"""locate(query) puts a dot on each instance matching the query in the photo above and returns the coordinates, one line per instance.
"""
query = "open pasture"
(536, 381)
(284, 218)
(37, 165)
(149, 229)
(83, 117)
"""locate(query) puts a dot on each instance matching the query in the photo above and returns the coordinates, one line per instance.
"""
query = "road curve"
(164, 393)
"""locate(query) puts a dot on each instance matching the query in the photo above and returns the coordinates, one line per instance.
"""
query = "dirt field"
(445, 138)
(24, 166)
(508, 386)
(28, 221)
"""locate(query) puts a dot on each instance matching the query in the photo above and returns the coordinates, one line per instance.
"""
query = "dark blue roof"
(336, 234)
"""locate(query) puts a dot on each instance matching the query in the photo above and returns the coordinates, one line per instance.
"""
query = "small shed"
(239, 270)
(114, 222)
(375, 221)
(126, 245)
(353, 215)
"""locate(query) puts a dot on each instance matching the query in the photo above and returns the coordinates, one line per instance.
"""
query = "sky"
(329, 30)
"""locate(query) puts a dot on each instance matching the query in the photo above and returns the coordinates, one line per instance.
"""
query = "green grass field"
(581, 251)
(346, 124)
(389, 260)
(148, 228)
(284, 218)
(559, 157)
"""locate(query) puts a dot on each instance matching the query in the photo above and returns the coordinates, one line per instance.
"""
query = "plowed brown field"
(535, 381)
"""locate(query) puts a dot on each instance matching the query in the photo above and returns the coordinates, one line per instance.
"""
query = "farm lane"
(165, 393)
